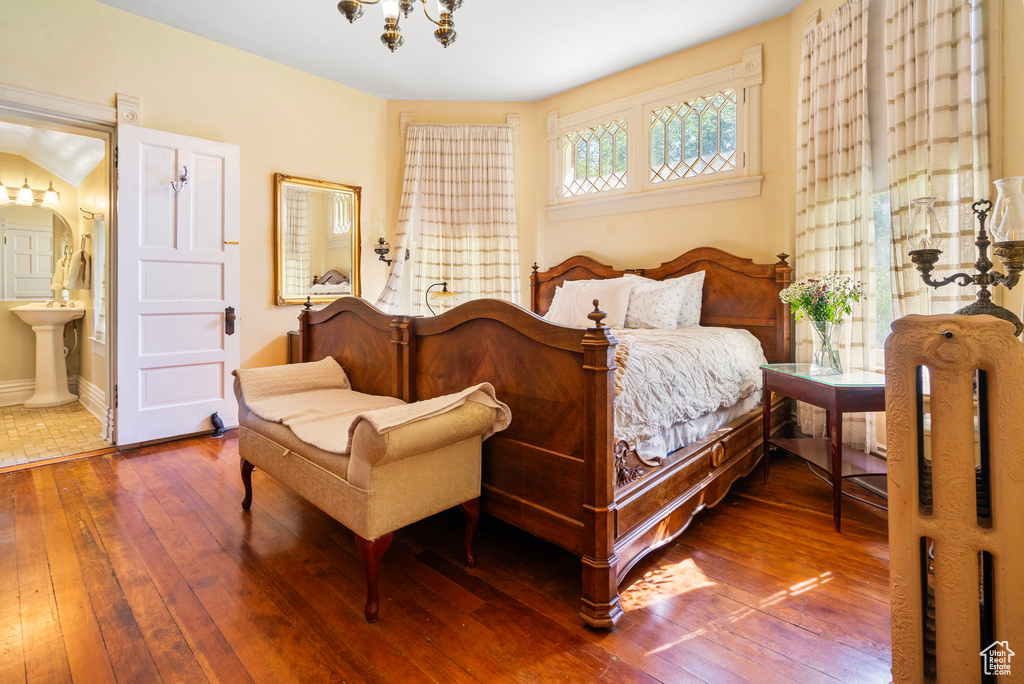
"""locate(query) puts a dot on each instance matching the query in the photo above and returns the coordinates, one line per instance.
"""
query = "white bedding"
(665, 378)
(684, 434)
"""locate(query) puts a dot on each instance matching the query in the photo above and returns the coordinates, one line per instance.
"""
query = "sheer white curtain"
(296, 238)
(835, 231)
(938, 138)
(458, 216)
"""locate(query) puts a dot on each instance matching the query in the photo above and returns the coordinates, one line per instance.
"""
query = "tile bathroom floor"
(28, 435)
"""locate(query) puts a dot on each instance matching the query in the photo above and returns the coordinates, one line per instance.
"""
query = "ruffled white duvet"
(665, 377)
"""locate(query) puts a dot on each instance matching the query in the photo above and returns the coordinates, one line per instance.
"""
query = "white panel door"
(28, 267)
(177, 272)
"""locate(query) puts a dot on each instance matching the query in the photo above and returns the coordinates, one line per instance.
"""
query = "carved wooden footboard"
(556, 471)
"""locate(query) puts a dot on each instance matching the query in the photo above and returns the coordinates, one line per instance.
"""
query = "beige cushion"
(274, 381)
(283, 436)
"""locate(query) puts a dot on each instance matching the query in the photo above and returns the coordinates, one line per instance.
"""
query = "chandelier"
(394, 9)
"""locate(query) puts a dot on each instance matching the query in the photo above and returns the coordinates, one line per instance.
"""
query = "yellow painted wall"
(94, 196)
(17, 341)
(758, 227)
(282, 119)
(465, 113)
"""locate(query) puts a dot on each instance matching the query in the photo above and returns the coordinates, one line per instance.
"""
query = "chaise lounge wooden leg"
(471, 512)
(370, 553)
(247, 469)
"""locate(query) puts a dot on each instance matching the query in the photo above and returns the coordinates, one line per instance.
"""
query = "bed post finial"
(309, 302)
(535, 289)
(600, 607)
(783, 271)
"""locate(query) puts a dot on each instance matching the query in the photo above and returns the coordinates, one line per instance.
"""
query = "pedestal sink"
(51, 367)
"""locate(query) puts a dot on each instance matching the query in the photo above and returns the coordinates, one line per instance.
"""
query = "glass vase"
(825, 360)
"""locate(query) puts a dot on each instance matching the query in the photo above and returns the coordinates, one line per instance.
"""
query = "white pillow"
(655, 304)
(575, 299)
(692, 286)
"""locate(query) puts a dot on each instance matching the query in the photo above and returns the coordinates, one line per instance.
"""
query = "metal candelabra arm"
(964, 278)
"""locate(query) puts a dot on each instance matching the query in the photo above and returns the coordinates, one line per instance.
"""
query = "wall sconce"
(382, 248)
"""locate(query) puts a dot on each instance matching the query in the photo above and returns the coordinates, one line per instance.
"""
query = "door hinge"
(116, 150)
(115, 396)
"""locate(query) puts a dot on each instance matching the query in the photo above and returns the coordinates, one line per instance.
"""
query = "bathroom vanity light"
(28, 197)
(50, 196)
(25, 197)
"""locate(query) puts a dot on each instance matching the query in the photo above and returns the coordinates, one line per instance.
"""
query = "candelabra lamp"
(927, 249)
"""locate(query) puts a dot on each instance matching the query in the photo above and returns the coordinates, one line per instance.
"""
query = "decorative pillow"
(655, 304)
(692, 286)
(575, 299)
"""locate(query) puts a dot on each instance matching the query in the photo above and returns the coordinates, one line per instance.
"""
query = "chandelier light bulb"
(391, 9)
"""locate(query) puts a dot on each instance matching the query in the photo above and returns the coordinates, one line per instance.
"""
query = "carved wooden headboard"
(332, 277)
(737, 292)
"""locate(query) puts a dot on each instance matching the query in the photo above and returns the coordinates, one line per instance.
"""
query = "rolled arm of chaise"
(371, 449)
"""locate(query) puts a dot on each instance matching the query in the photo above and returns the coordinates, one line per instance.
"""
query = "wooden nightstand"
(852, 392)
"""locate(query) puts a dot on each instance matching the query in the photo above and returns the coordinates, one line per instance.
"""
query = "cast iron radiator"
(955, 433)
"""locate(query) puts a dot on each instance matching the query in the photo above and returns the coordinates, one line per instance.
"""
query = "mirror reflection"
(34, 242)
(317, 225)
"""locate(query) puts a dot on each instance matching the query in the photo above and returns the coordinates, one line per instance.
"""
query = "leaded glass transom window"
(340, 214)
(595, 159)
(694, 138)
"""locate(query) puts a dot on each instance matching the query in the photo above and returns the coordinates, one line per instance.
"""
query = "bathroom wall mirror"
(317, 229)
(33, 239)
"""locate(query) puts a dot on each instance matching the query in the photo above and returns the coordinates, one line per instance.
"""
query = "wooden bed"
(556, 471)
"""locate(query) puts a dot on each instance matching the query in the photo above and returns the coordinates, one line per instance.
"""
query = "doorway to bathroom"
(55, 370)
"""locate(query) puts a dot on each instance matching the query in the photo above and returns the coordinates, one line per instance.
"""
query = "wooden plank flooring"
(142, 567)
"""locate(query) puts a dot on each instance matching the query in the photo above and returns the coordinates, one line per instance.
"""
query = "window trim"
(640, 194)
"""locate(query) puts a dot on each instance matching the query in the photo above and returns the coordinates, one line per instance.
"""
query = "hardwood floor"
(142, 566)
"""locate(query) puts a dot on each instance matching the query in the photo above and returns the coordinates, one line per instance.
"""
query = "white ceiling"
(506, 50)
(68, 156)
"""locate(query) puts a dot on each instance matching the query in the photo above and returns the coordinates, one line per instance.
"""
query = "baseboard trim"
(92, 398)
(14, 392)
(95, 402)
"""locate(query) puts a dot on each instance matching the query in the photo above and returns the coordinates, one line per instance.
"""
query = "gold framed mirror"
(316, 227)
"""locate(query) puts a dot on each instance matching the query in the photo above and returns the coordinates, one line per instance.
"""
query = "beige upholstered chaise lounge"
(374, 464)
